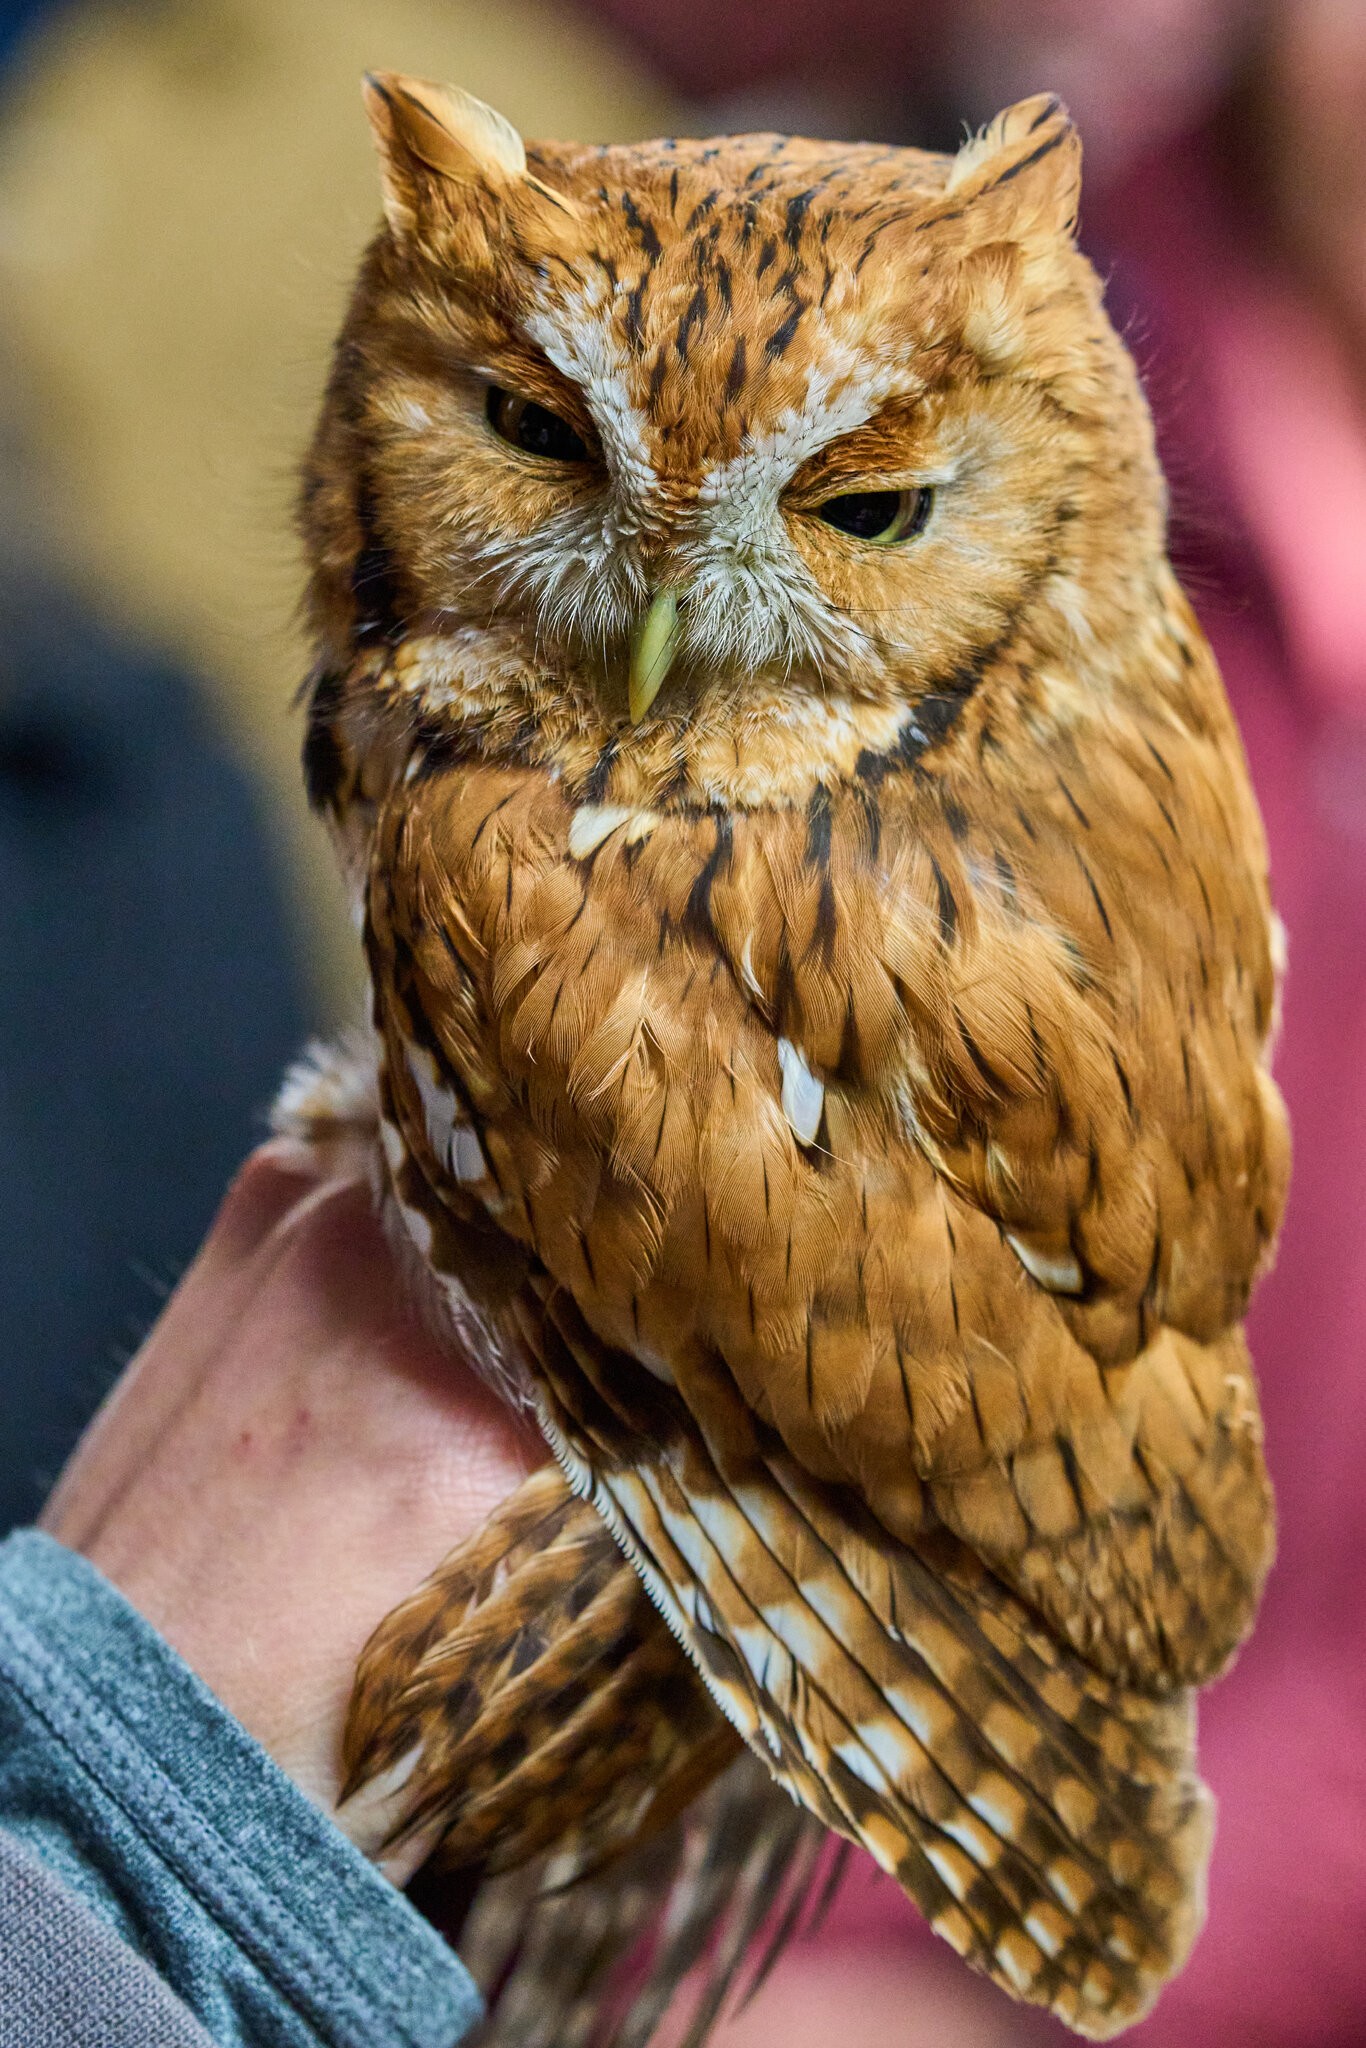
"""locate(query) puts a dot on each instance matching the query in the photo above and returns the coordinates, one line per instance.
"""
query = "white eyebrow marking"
(576, 337)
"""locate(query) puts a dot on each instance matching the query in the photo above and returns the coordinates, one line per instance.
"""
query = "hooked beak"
(652, 652)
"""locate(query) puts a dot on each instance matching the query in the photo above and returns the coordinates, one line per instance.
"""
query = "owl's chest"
(650, 1050)
(626, 1036)
(579, 957)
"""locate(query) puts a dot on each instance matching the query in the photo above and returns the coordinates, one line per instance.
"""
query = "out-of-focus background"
(184, 189)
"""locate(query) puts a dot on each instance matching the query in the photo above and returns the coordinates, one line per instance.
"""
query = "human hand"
(288, 1455)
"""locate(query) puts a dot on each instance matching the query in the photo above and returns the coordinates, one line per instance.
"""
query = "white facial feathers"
(748, 600)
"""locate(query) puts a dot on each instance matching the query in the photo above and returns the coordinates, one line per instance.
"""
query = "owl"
(823, 973)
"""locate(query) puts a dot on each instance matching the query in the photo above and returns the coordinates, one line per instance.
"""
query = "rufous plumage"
(823, 974)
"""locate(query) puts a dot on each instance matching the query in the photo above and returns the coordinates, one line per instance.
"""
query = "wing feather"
(926, 1420)
(909, 1699)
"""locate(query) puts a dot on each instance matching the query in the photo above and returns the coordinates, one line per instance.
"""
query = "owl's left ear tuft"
(429, 136)
(1026, 164)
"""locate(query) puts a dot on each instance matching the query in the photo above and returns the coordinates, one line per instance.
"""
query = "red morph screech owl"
(822, 974)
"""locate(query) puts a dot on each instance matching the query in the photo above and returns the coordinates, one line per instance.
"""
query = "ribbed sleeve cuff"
(127, 1778)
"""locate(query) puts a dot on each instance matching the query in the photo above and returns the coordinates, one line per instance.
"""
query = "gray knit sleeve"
(67, 1981)
(143, 1810)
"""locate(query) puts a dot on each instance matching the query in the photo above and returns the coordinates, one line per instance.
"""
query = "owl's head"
(694, 428)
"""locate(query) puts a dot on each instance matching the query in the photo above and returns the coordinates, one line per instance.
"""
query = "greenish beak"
(652, 652)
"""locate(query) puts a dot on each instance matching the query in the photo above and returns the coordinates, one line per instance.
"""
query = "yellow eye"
(881, 517)
(534, 428)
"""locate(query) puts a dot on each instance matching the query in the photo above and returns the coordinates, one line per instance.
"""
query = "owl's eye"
(534, 428)
(883, 517)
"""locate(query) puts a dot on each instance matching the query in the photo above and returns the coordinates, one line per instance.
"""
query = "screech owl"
(823, 971)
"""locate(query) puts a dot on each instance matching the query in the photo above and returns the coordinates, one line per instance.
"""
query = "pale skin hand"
(288, 1456)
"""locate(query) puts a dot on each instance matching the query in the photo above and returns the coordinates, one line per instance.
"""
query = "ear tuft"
(1031, 156)
(425, 131)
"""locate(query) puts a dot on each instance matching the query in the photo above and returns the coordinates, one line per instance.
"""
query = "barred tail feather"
(528, 1697)
(596, 1964)
(539, 1717)
(1047, 1821)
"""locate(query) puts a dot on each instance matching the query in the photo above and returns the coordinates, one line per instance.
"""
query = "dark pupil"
(535, 428)
(864, 514)
(544, 433)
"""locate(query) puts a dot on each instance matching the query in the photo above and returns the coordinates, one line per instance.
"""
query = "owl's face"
(704, 426)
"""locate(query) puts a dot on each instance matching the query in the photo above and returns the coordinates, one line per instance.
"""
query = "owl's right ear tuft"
(1025, 164)
(430, 136)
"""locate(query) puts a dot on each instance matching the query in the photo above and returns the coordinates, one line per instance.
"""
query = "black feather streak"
(818, 831)
(781, 339)
(374, 578)
(697, 914)
(324, 757)
(1044, 149)
(735, 376)
(644, 230)
(600, 774)
(694, 316)
(948, 908)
